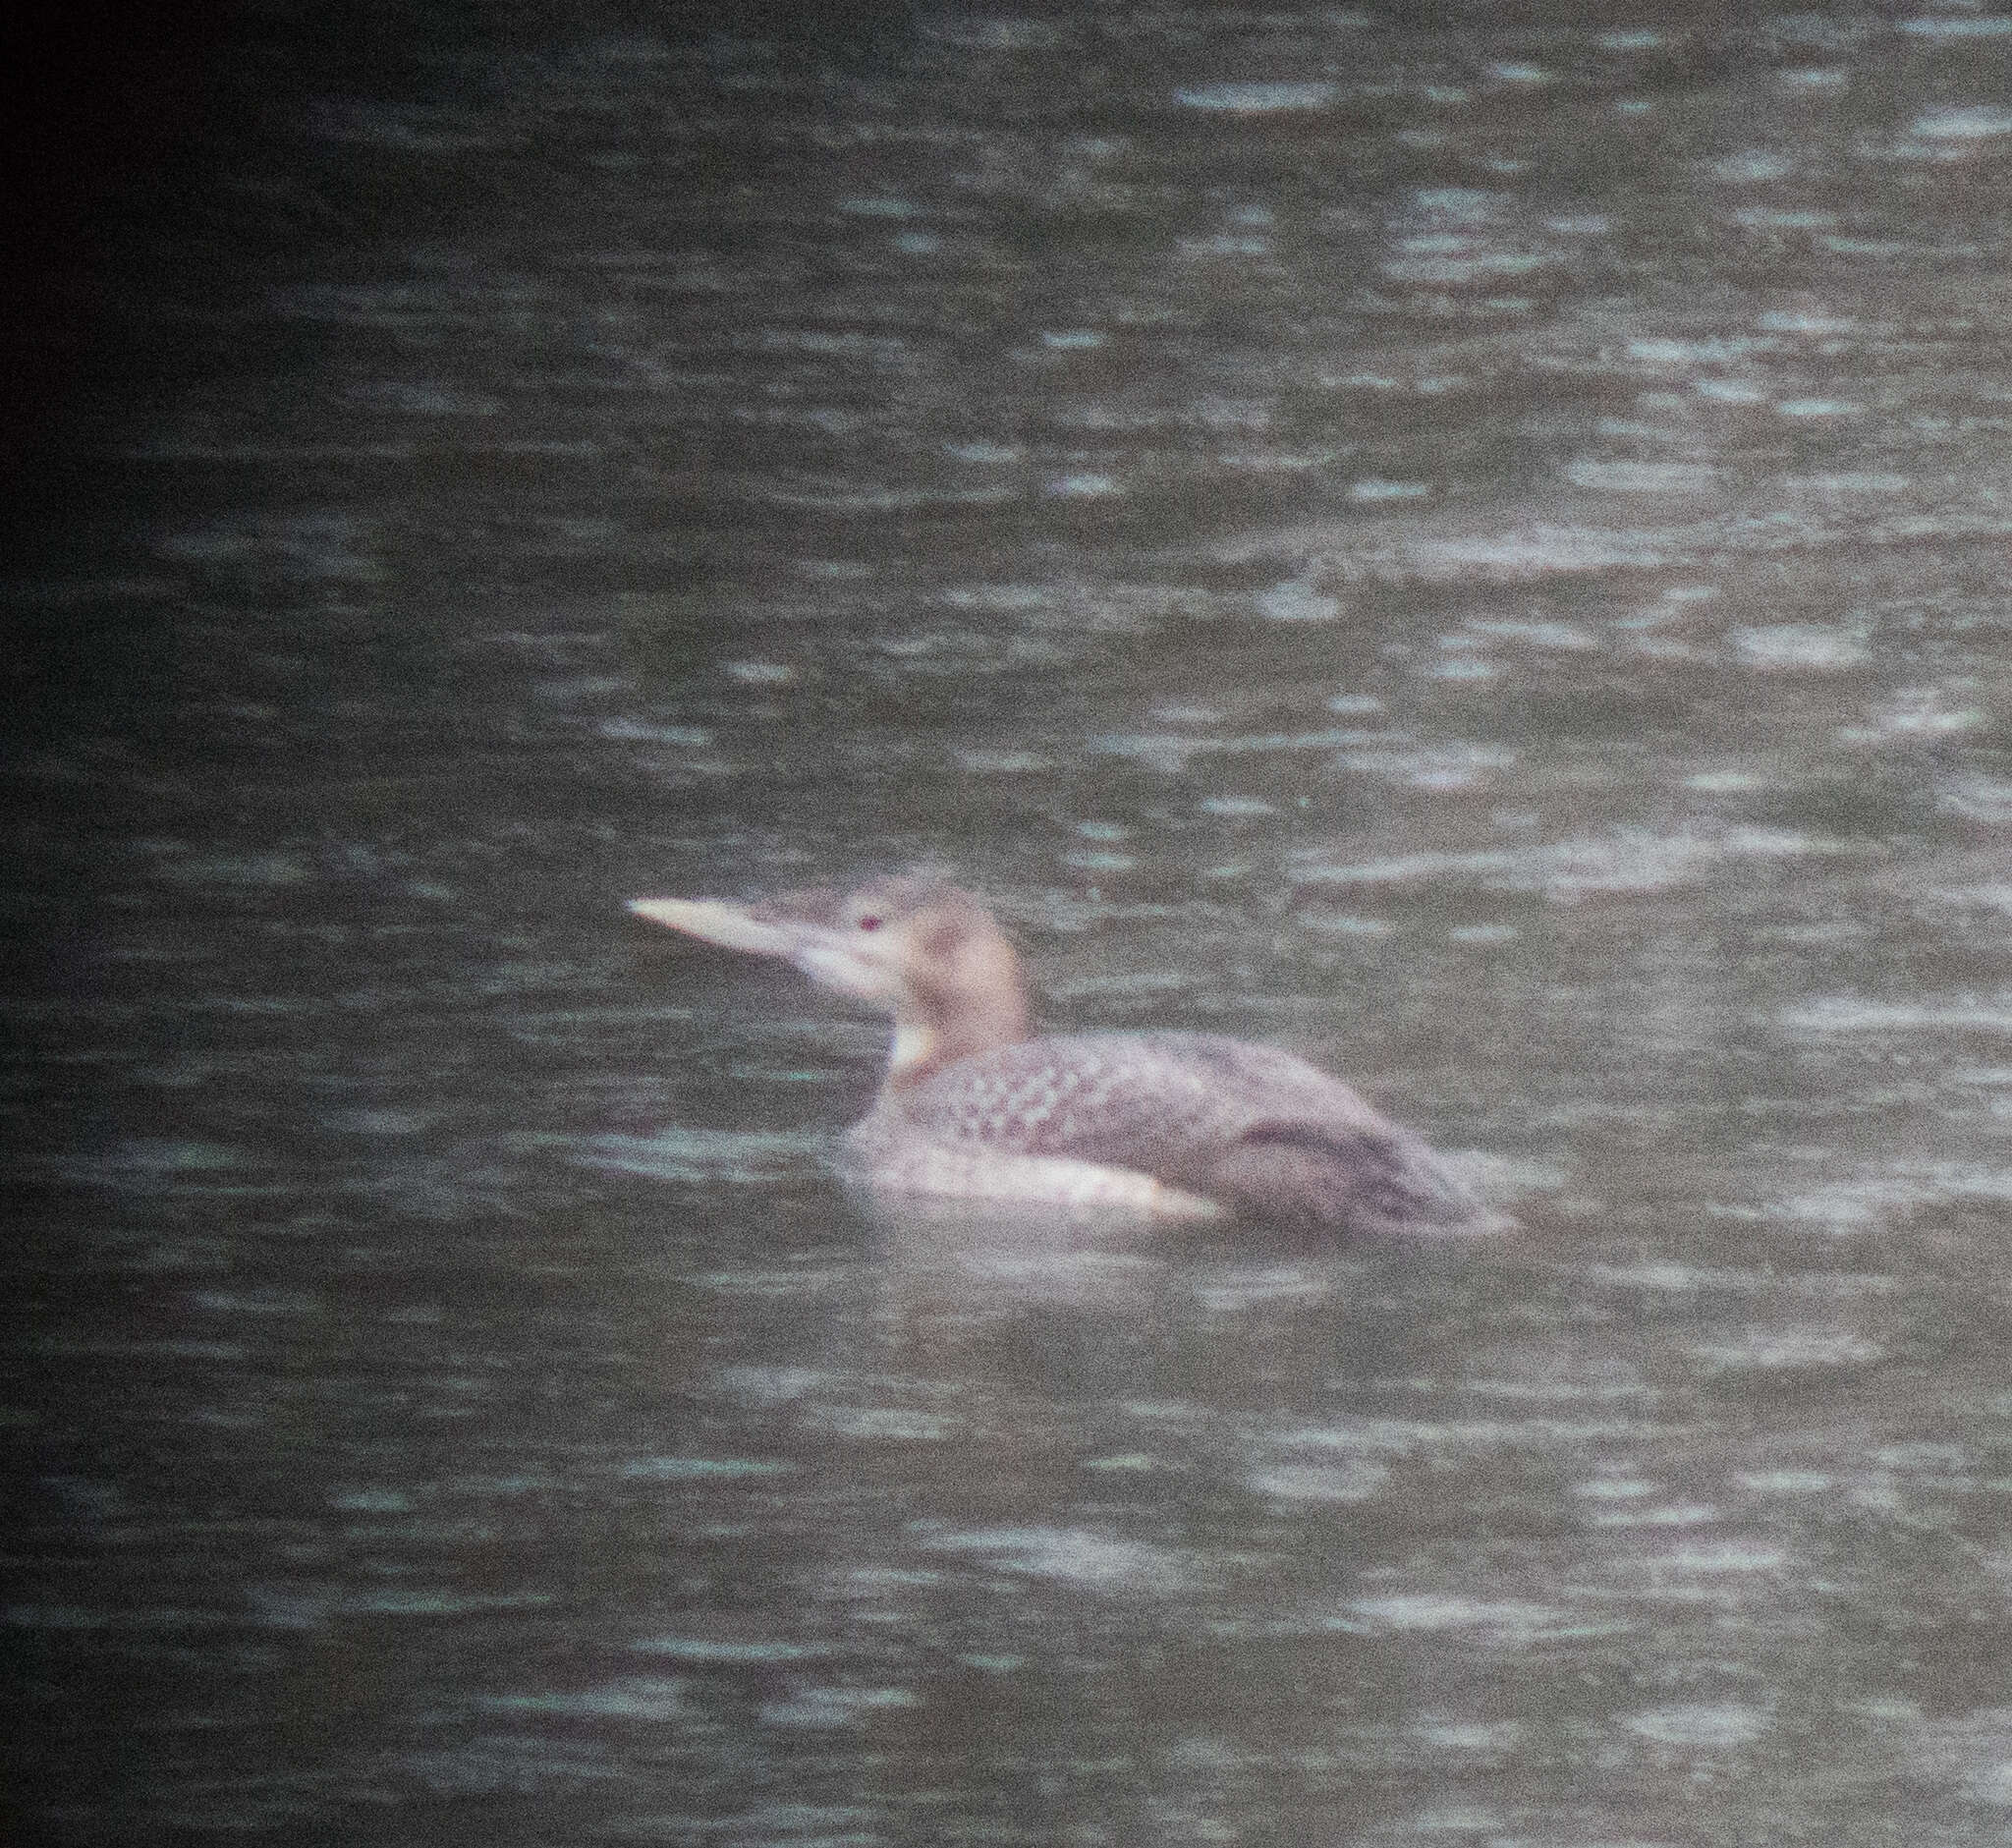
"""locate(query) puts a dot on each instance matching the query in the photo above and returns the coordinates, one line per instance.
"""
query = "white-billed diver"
(1178, 1124)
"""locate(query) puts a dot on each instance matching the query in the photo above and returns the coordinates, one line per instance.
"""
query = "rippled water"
(1471, 546)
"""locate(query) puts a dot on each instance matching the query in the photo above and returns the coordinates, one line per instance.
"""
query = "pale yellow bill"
(717, 921)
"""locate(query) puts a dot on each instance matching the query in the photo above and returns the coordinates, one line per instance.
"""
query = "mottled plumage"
(1180, 1125)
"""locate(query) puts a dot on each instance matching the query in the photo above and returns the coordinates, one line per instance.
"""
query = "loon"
(1176, 1125)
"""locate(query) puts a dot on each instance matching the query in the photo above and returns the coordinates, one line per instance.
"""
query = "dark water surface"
(1471, 545)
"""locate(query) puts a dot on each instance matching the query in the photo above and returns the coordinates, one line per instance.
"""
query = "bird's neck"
(956, 1013)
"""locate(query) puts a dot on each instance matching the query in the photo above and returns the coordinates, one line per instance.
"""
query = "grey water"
(1467, 541)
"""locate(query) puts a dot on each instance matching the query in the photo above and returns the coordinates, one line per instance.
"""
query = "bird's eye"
(869, 922)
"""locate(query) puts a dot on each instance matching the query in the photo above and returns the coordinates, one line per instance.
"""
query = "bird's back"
(1249, 1127)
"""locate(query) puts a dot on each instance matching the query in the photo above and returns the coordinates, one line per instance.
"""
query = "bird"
(1179, 1126)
